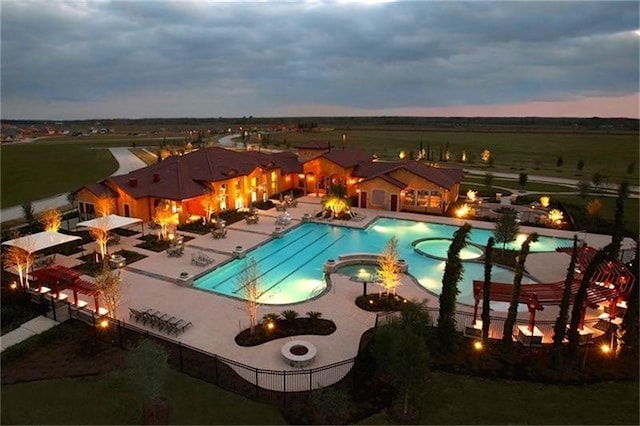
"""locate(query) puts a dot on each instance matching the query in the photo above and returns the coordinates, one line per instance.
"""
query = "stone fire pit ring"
(298, 353)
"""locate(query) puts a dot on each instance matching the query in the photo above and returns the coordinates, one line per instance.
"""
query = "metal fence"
(464, 324)
(275, 386)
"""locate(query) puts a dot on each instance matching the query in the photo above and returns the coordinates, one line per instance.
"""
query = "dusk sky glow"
(83, 59)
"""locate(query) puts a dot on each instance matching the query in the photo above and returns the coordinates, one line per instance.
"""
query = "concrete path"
(26, 330)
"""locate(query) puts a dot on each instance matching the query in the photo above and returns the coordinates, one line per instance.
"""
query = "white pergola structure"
(110, 222)
(40, 241)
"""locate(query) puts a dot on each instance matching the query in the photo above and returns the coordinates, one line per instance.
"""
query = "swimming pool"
(291, 268)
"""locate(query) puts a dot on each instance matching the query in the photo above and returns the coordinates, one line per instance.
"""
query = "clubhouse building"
(235, 180)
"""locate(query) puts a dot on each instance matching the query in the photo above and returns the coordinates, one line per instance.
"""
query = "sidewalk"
(30, 328)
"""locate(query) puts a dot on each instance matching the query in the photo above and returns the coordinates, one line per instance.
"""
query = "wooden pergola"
(611, 282)
(60, 278)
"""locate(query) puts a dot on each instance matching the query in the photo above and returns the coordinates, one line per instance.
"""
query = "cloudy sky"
(151, 58)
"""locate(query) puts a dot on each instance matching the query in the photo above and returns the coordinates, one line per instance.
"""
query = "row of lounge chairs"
(159, 320)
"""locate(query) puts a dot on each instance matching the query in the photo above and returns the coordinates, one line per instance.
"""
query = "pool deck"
(150, 283)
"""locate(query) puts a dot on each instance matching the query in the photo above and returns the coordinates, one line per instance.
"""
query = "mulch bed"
(379, 302)
(285, 328)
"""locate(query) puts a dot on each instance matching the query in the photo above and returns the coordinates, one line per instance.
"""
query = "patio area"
(153, 283)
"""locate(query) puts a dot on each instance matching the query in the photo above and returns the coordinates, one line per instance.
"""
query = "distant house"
(236, 178)
(409, 186)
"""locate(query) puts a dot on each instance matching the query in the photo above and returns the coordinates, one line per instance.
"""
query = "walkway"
(30, 328)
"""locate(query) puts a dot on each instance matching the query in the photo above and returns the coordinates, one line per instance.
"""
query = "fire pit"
(298, 353)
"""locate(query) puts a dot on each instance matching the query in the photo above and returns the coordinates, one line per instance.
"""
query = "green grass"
(111, 399)
(453, 399)
(535, 153)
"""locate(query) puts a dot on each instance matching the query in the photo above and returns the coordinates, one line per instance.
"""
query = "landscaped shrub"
(289, 314)
(263, 205)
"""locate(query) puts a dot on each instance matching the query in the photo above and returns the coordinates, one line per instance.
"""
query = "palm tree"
(509, 323)
(486, 289)
(560, 327)
(452, 274)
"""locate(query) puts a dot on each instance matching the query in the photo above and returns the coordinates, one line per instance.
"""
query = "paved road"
(127, 162)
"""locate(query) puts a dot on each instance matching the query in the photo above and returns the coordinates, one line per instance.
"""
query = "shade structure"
(110, 222)
(40, 241)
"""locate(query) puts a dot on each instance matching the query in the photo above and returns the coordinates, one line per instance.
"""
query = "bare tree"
(109, 283)
(20, 257)
(388, 270)
(164, 216)
(100, 232)
(249, 287)
(209, 202)
(105, 205)
(51, 219)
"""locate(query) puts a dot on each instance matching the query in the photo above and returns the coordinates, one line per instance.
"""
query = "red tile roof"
(183, 177)
(348, 157)
(443, 177)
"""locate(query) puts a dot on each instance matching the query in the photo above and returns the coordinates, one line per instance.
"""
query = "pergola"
(111, 222)
(61, 277)
(40, 241)
(611, 282)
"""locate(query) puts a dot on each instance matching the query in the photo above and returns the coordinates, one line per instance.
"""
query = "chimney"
(156, 177)
(133, 182)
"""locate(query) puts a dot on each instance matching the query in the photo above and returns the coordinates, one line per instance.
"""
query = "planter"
(185, 279)
(239, 252)
(329, 266)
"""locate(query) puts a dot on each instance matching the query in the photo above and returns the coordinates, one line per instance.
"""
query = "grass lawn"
(453, 399)
(111, 399)
(534, 153)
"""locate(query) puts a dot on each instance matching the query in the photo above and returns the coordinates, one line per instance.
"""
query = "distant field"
(534, 153)
(31, 171)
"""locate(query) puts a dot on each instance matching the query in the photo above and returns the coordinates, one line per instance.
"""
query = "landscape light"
(477, 345)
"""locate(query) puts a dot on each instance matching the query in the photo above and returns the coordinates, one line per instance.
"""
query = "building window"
(274, 182)
(87, 210)
(378, 197)
(423, 198)
(435, 199)
(409, 197)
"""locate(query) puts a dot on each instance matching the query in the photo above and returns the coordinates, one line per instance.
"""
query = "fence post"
(284, 387)
(215, 363)
(93, 323)
(257, 388)
(180, 355)
(310, 380)
(53, 307)
(119, 325)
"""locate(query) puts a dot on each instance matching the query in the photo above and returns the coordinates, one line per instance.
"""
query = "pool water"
(290, 269)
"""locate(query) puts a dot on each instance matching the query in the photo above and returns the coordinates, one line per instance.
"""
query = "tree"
(584, 188)
(51, 219)
(20, 257)
(580, 299)
(488, 181)
(452, 273)
(507, 339)
(594, 208)
(559, 161)
(164, 216)
(209, 203)
(100, 232)
(109, 282)
(506, 227)
(105, 205)
(27, 212)
(597, 179)
(388, 270)
(522, 179)
(249, 286)
(147, 368)
(486, 289)
(401, 352)
(580, 165)
(560, 326)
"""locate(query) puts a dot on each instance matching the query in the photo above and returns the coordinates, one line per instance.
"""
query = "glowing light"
(544, 201)
(104, 323)
(402, 155)
(605, 349)
(13, 285)
(270, 325)
(555, 216)
(477, 345)
(472, 195)
(521, 238)
(486, 156)
(463, 210)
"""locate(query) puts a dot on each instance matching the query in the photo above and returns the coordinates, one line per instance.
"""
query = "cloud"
(152, 58)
